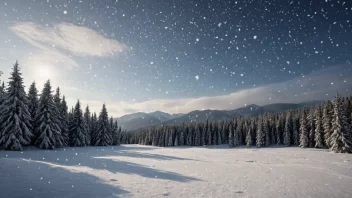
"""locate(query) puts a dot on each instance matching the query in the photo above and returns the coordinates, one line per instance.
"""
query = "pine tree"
(277, 131)
(295, 126)
(311, 126)
(249, 141)
(93, 129)
(197, 137)
(48, 121)
(87, 120)
(260, 135)
(103, 133)
(77, 128)
(220, 129)
(209, 135)
(2, 92)
(62, 115)
(327, 123)
(318, 137)
(64, 121)
(288, 129)
(304, 132)
(15, 118)
(231, 136)
(266, 131)
(116, 134)
(33, 105)
(340, 140)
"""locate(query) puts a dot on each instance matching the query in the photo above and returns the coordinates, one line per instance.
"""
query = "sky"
(179, 56)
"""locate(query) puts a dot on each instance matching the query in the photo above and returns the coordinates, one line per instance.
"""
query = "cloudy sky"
(178, 56)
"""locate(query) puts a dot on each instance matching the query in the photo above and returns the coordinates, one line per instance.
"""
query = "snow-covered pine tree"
(62, 115)
(220, 129)
(260, 142)
(33, 107)
(116, 134)
(182, 136)
(295, 127)
(77, 129)
(48, 121)
(288, 129)
(15, 118)
(236, 134)
(215, 134)
(170, 138)
(303, 142)
(327, 122)
(87, 120)
(197, 140)
(278, 131)
(209, 133)
(318, 136)
(311, 127)
(266, 130)
(239, 132)
(2, 92)
(103, 133)
(204, 133)
(176, 140)
(249, 141)
(190, 136)
(231, 136)
(272, 130)
(155, 137)
(93, 129)
(64, 122)
(340, 140)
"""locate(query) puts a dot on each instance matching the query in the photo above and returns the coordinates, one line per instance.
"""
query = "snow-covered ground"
(142, 171)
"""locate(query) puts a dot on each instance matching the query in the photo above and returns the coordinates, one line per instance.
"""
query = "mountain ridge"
(139, 120)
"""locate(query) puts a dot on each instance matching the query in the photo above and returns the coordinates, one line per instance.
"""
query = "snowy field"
(141, 171)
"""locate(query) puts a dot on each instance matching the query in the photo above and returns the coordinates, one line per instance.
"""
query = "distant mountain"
(140, 120)
(197, 116)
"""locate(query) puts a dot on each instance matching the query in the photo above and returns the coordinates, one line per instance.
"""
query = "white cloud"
(316, 86)
(78, 40)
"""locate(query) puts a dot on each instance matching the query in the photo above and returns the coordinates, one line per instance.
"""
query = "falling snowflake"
(197, 77)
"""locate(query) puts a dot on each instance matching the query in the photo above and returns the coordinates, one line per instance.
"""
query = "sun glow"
(44, 72)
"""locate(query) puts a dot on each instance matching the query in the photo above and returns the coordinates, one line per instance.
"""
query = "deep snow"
(145, 171)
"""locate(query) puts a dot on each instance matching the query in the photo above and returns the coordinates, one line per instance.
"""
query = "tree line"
(43, 120)
(326, 126)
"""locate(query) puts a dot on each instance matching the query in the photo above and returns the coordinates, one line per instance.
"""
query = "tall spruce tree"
(295, 127)
(93, 129)
(231, 136)
(87, 120)
(48, 121)
(318, 137)
(303, 130)
(33, 106)
(288, 129)
(64, 121)
(15, 118)
(266, 131)
(327, 122)
(340, 140)
(311, 126)
(2, 92)
(103, 137)
(77, 129)
(249, 141)
(260, 142)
